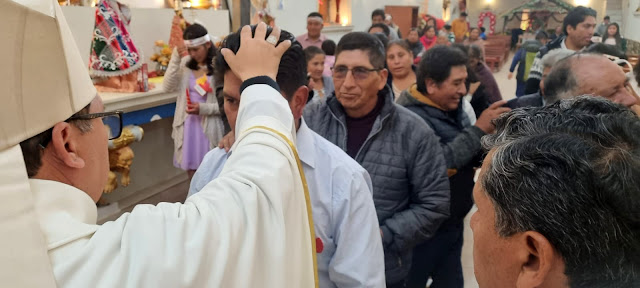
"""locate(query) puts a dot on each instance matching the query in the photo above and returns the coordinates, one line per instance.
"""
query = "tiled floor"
(508, 90)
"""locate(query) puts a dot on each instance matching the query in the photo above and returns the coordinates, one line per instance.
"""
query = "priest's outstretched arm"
(250, 227)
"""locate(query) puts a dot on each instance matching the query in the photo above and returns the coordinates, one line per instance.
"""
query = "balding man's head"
(587, 74)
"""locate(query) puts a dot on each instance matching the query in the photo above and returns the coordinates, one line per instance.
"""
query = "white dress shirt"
(348, 238)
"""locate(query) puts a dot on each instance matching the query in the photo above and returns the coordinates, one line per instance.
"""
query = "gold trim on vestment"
(306, 197)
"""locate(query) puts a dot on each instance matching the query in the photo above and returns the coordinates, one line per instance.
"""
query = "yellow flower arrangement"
(163, 53)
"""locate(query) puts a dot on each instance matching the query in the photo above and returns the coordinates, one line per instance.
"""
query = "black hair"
(402, 43)
(447, 26)
(378, 12)
(292, 72)
(194, 31)
(382, 38)
(577, 16)
(366, 42)
(601, 48)
(542, 35)
(618, 37)
(315, 14)
(382, 26)
(426, 29)
(329, 47)
(464, 14)
(607, 17)
(311, 52)
(483, 29)
(436, 65)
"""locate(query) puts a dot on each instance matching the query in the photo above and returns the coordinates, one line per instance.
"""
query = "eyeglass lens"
(114, 126)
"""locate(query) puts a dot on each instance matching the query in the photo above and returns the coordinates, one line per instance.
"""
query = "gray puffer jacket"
(410, 185)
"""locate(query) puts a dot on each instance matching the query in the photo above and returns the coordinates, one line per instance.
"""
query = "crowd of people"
(353, 164)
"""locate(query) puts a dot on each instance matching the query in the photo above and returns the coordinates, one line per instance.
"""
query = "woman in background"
(322, 85)
(613, 37)
(197, 122)
(413, 40)
(429, 38)
(400, 63)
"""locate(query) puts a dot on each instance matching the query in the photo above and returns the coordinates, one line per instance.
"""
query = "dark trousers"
(520, 87)
(439, 259)
(397, 285)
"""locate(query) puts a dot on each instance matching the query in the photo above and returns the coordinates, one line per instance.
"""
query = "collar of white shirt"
(306, 144)
(65, 212)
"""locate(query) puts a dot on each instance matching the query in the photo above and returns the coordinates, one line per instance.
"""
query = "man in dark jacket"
(436, 99)
(578, 26)
(396, 147)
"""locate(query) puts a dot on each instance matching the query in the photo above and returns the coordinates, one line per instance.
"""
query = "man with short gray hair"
(557, 198)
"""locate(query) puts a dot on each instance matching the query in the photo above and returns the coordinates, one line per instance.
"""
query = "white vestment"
(248, 228)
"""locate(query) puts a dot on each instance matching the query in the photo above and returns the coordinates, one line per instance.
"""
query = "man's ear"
(540, 260)
(384, 74)
(431, 86)
(299, 101)
(65, 145)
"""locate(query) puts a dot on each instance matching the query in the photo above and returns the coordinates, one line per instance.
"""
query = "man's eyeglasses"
(359, 73)
(113, 121)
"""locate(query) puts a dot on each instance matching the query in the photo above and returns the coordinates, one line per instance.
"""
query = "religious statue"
(120, 159)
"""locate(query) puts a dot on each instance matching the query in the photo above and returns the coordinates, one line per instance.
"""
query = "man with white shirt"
(348, 242)
(254, 217)
(578, 27)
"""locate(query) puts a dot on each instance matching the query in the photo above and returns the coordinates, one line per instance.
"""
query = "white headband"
(197, 42)
(316, 18)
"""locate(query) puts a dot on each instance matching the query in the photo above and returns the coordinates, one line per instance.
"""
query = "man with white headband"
(251, 227)
(314, 36)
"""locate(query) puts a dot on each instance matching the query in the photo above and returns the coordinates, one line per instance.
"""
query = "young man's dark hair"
(329, 47)
(607, 18)
(292, 72)
(315, 14)
(464, 14)
(365, 42)
(436, 65)
(576, 16)
(378, 12)
(382, 26)
(447, 27)
(578, 187)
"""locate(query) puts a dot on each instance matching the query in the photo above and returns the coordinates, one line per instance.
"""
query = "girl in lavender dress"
(197, 123)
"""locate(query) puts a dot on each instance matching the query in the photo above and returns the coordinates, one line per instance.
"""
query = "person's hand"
(485, 121)
(227, 141)
(473, 87)
(193, 108)
(256, 56)
(510, 76)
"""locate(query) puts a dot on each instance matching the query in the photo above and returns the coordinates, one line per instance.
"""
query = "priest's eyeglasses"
(113, 121)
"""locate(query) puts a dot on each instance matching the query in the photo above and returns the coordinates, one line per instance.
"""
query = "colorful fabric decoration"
(113, 52)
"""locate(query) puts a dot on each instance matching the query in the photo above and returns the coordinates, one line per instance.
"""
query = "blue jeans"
(439, 259)
(520, 87)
